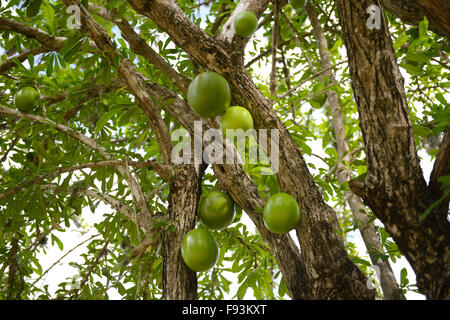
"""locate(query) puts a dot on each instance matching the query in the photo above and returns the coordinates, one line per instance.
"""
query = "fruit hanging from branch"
(245, 24)
(236, 118)
(281, 213)
(298, 4)
(25, 99)
(209, 94)
(217, 210)
(199, 250)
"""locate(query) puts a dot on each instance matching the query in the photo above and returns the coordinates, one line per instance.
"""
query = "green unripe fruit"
(209, 94)
(245, 24)
(281, 213)
(236, 118)
(298, 4)
(217, 210)
(25, 99)
(199, 250)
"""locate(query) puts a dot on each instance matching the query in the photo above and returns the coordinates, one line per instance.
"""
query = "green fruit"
(199, 250)
(236, 118)
(298, 4)
(245, 24)
(281, 213)
(217, 210)
(322, 99)
(25, 99)
(209, 94)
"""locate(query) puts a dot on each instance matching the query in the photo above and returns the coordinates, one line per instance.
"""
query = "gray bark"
(394, 186)
(366, 228)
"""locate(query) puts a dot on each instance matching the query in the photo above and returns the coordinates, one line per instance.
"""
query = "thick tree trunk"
(366, 228)
(180, 282)
(394, 187)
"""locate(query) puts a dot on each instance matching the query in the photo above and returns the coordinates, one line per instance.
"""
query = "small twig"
(103, 251)
(65, 255)
(11, 146)
(12, 265)
(275, 37)
(110, 163)
(290, 91)
(297, 40)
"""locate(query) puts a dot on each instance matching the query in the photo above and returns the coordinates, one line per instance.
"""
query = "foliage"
(78, 88)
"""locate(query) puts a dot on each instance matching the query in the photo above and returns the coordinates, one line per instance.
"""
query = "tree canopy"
(355, 96)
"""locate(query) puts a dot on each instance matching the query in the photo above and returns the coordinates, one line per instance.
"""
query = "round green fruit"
(236, 118)
(199, 250)
(281, 213)
(25, 99)
(245, 24)
(319, 101)
(217, 210)
(298, 4)
(209, 94)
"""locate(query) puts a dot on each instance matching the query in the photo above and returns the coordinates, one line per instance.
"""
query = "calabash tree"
(113, 78)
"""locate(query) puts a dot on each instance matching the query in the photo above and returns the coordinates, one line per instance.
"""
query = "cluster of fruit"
(199, 248)
(209, 95)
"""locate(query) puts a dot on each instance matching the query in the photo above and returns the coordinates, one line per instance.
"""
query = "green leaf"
(423, 28)
(58, 242)
(242, 290)
(72, 49)
(404, 277)
(361, 261)
(49, 16)
(33, 8)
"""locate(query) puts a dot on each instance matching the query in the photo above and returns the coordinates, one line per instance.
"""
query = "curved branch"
(413, 12)
(228, 34)
(49, 41)
(140, 46)
(135, 187)
(163, 170)
(441, 168)
(9, 63)
(130, 76)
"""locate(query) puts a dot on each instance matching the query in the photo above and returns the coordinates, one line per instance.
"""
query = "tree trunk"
(394, 187)
(366, 228)
(180, 282)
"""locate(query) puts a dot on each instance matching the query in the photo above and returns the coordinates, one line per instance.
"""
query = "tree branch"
(140, 46)
(9, 63)
(130, 76)
(441, 168)
(162, 169)
(47, 40)
(228, 34)
(413, 12)
(135, 187)
(275, 37)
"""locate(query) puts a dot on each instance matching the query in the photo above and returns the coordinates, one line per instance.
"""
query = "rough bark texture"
(366, 228)
(394, 187)
(180, 282)
(412, 12)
